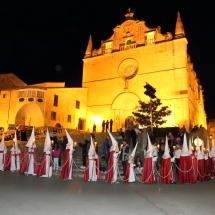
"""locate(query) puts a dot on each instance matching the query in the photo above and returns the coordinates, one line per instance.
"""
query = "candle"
(95, 144)
(121, 146)
(75, 144)
(174, 147)
(52, 142)
(158, 146)
(192, 148)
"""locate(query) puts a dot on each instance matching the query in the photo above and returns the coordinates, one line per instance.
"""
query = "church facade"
(112, 84)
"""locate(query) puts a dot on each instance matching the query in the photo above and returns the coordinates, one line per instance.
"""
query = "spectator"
(106, 148)
(103, 164)
(138, 165)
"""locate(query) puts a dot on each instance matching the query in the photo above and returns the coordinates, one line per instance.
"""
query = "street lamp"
(198, 142)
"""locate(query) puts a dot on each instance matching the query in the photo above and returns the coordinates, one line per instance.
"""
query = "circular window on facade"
(39, 100)
(21, 100)
(30, 99)
(128, 68)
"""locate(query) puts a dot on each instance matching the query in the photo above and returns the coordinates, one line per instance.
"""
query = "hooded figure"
(112, 168)
(67, 169)
(207, 162)
(186, 172)
(3, 154)
(166, 166)
(200, 162)
(14, 158)
(92, 164)
(193, 157)
(129, 174)
(148, 176)
(212, 155)
(45, 169)
(29, 165)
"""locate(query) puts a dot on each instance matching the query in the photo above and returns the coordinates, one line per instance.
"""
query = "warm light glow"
(121, 146)
(75, 144)
(95, 144)
(158, 146)
(192, 148)
(97, 120)
(198, 141)
(174, 147)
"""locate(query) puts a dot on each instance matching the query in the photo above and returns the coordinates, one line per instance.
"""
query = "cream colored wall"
(162, 65)
(66, 106)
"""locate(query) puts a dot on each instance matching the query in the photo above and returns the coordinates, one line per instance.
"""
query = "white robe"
(15, 159)
(3, 153)
(31, 161)
(115, 166)
(92, 168)
(131, 174)
(70, 163)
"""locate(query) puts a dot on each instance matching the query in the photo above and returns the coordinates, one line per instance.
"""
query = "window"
(4, 96)
(22, 94)
(53, 115)
(40, 95)
(55, 100)
(77, 105)
(108, 47)
(150, 38)
(31, 93)
(69, 118)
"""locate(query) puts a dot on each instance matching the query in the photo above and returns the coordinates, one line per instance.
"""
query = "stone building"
(112, 85)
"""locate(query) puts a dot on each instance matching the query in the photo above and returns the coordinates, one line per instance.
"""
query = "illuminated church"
(112, 84)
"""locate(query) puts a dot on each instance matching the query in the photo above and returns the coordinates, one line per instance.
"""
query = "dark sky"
(39, 38)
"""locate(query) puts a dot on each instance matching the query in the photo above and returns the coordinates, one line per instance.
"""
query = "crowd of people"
(191, 166)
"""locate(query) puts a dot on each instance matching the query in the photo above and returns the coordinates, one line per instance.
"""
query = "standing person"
(106, 148)
(111, 125)
(103, 126)
(212, 155)
(121, 133)
(84, 152)
(94, 128)
(166, 174)
(107, 125)
(138, 165)
(177, 154)
(29, 165)
(45, 169)
(103, 164)
(133, 136)
(60, 143)
(160, 153)
(148, 176)
(14, 159)
(124, 156)
(129, 175)
(92, 164)
(3, 154)
(112, 168)
(67, 169)
(56, 152)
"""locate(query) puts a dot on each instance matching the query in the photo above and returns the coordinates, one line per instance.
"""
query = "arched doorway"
(81, 124)
(30, 114)
(58, 125)
(129, 122)
(122, 107)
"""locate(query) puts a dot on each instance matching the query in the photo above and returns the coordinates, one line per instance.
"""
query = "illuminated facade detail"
(140, 54)
(112, 84)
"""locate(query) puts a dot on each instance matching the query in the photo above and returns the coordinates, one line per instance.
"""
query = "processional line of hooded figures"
(193, 167)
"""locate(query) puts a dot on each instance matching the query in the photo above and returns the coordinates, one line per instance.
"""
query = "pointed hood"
(149, 148)
(199, 153)
(132, 155)
(47, 142)
(114, 142)
(166, 150)
(2, 145)
(31, 139)
(88, 52)
(92, 150)
(179, 27)
(70, 140)
(185, 151)
(212, 153)
(190, 146)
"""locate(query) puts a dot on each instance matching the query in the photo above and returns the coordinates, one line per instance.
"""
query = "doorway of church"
(81, 124)
(129, 122)
(57, 125)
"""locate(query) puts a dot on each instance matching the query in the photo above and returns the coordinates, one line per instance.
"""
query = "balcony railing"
(127, 47)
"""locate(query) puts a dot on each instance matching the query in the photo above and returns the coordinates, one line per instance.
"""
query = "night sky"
(46, 40)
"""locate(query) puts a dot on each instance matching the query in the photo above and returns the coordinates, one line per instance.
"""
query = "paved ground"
(24, 195)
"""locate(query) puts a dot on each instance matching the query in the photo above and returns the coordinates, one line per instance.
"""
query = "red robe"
(148, 176)
(186, 163)
(42, 168)
(109, 174)
(127, 173)
(201, 170)
(24, 166)
(86, 173)
(208, 169)
(166, 169)
(194, 166)
(9, 160)
(66, 166)
(212, 167)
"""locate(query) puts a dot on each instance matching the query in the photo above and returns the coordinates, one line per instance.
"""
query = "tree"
(143, 114)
